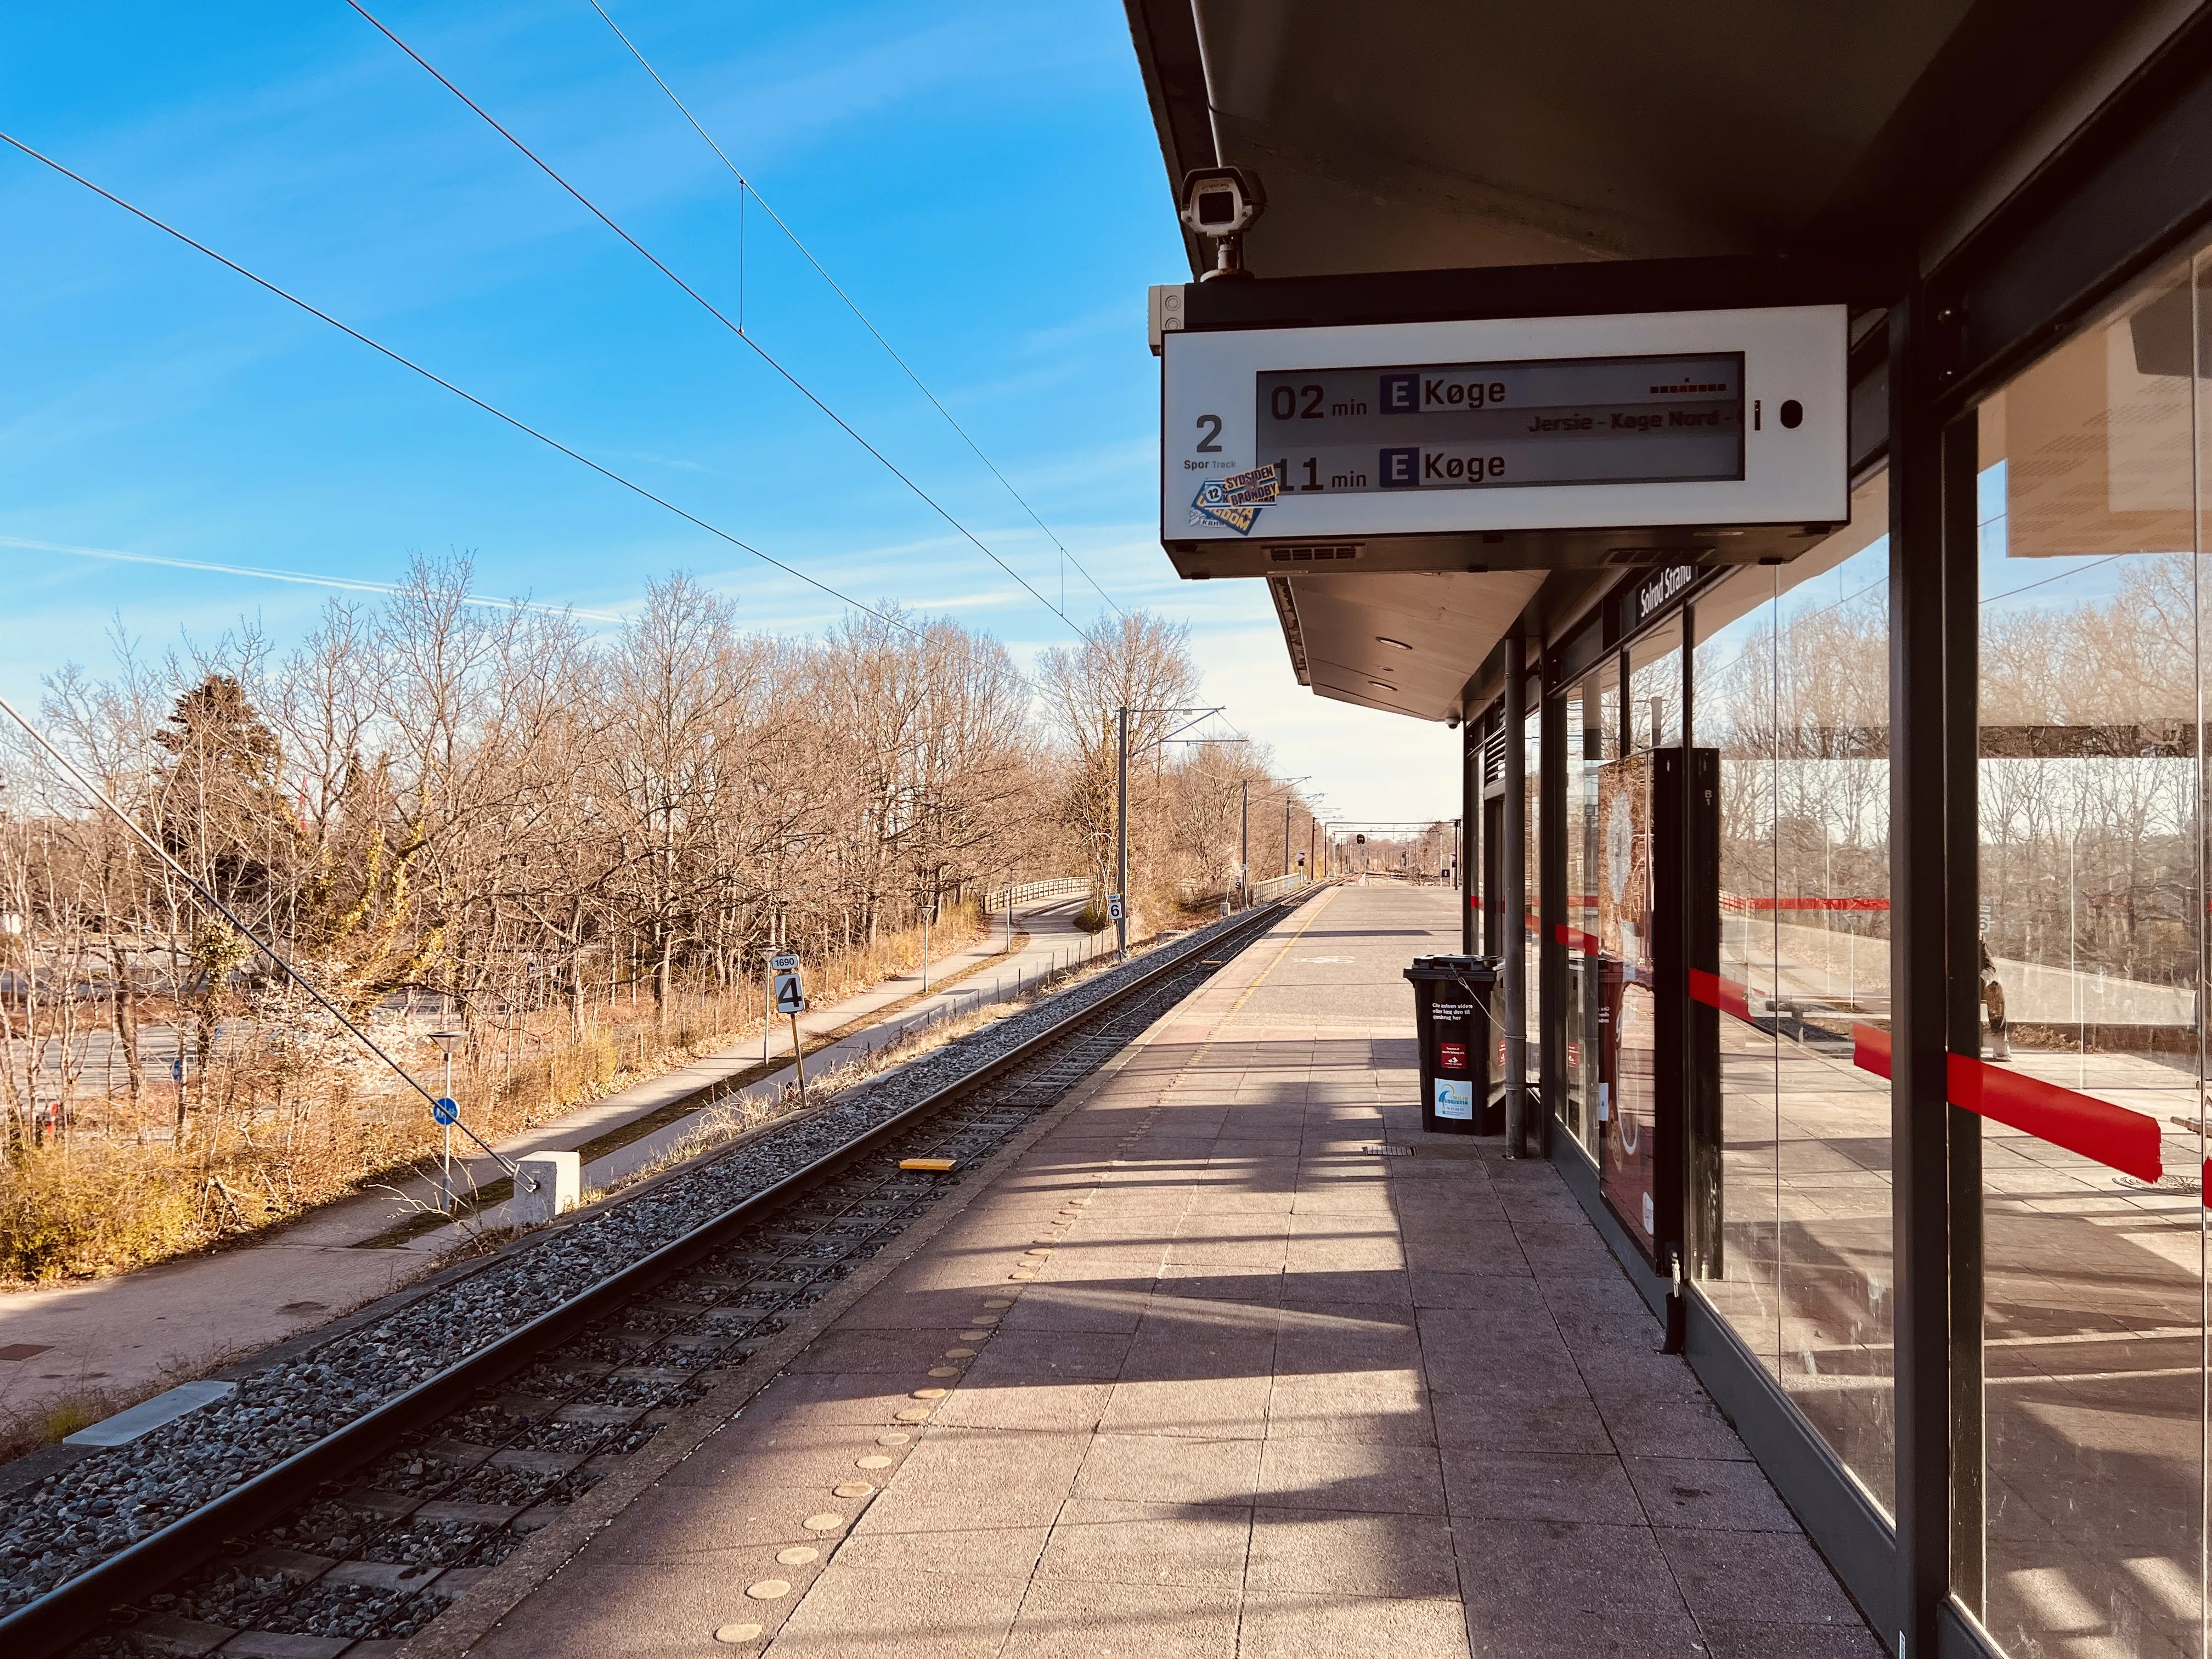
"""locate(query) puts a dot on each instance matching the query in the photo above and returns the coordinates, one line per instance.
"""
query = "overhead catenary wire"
(492, 410)
(207, 897)
(714, 311)
(748, 189)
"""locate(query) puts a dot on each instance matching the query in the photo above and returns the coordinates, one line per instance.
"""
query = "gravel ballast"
(83, 1513)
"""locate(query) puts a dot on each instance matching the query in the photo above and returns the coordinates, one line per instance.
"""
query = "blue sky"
(981, 178)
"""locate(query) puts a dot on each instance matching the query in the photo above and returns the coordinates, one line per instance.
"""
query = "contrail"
(348, 583)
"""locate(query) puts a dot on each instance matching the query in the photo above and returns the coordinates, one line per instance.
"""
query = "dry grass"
(287, 1119)
(53, 1419)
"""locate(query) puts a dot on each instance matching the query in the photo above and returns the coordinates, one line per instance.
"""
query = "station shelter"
(1848, 879)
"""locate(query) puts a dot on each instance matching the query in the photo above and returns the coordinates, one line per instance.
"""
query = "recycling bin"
(1455, 1004)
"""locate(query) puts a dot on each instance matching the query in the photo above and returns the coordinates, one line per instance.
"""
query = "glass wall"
(1532, 932)
(2092, 897)
(1594, 974)
(1789, 687)
(1630, 974)
(1578, 813)
(1733, 666)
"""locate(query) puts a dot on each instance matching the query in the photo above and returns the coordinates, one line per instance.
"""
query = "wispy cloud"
(345, 584)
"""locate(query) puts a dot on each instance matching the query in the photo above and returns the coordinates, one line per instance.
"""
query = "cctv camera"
(1223, 203)
(1451, 722)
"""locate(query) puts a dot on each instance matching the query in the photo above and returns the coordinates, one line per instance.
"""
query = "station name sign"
(1425, 429)
(1639, 601)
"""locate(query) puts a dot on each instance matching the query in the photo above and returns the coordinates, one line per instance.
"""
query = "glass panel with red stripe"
(1790, 1234)
(2082, 1482)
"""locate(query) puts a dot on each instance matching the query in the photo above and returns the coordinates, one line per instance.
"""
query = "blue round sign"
(444, 1111)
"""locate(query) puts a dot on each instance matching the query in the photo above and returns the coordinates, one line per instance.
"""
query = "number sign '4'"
(790, 997)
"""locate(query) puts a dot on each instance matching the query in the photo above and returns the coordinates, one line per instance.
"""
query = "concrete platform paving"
(1198, 1375)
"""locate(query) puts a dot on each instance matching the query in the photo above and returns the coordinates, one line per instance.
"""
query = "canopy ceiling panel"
(1426, 133)
(1406, 643)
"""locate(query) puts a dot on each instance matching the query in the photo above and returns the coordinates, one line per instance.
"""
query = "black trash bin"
(1462, 1084)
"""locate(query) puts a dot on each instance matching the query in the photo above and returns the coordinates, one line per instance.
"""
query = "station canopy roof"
(1434, 135)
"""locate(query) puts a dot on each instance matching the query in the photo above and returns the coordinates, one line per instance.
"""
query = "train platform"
(1191, 1370)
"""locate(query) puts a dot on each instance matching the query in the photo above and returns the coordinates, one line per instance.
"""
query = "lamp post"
(1122, 796)
(1290, 798)
(1121, 830)
(1245, 844)
(446, 1040)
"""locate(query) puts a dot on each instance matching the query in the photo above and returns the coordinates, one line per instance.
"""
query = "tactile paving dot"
(873, 1460)
(852, 1489)
(911, 1414)
(960, 1353)
(1040, 1252)
(1002, 1302)
(797, 1556)
(945, 1370)
(896, 1437)
(738, 1633)
(825, 1521)
(768, 1589)
(929, 1394)
(973, 1336)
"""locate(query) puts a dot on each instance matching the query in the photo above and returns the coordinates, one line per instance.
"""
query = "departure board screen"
(1498, 426)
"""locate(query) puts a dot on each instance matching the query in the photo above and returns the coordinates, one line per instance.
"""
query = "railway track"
(343, 1497)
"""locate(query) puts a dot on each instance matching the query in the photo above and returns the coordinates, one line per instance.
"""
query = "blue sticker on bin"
(1455, 1097)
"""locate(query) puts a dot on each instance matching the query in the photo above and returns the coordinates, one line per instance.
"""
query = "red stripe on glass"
(1742, 901)
(2112, 1135)
(1725, 994)
(1870, 1050)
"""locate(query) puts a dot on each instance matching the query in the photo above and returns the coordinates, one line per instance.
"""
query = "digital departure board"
(1374, 445)
(1501, 425)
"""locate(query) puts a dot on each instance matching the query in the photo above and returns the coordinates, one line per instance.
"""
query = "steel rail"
(82, 1605)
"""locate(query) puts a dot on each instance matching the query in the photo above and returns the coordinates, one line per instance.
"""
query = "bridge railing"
(1031, 893)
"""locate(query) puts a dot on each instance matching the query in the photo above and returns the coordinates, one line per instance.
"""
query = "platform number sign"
(789, 996)
(1114, 910)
